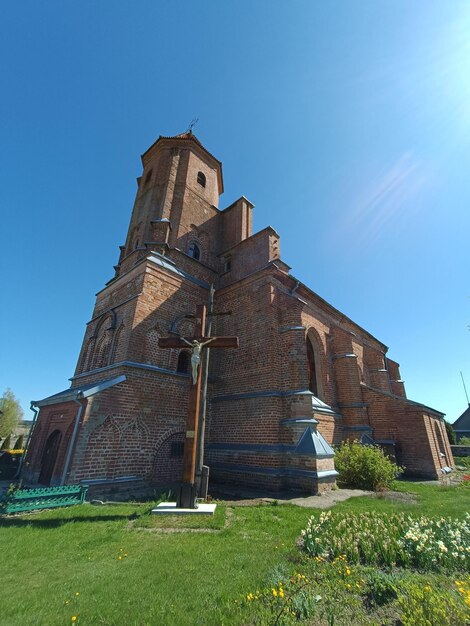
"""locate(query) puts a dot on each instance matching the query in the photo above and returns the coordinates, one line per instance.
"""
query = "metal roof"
(76, 393)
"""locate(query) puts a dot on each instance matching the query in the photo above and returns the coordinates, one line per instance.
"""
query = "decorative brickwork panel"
(168, 463)
(102, 452)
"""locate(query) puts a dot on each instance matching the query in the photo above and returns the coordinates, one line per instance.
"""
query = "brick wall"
(302, 365)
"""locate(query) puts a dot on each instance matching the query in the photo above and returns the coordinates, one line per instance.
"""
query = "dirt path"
(324, 501)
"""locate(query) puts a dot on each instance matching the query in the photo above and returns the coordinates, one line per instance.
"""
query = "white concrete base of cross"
(170, 508)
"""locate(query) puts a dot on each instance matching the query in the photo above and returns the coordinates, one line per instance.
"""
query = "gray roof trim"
(171, 266)
(291, 421)
(273, 471)
(318, 406)
(262, 394)
(78, 393)
(313, 444)
(353, 405)
(320, 450)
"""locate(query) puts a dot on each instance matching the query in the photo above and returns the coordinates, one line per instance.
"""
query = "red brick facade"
(304, 378)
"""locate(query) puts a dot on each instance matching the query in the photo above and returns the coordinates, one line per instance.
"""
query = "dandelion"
(77, 593)
(274, 592)
(427, 588)
(74, 618)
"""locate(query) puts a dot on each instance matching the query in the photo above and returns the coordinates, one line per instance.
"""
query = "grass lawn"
(117, 565)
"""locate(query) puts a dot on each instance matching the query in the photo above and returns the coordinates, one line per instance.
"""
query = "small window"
(148, 177)
(176, 449)
(183, 362)
(194, 251)
(227, 265)
(201, 179)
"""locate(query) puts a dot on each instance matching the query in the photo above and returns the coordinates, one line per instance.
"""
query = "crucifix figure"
(187, 493)
(196, 348)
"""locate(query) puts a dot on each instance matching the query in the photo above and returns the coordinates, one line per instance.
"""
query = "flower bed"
(390, 540)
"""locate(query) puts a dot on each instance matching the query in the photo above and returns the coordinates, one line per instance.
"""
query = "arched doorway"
(49, 457)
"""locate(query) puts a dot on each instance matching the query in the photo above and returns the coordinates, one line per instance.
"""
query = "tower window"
(183, 362)
(194, 251)
(201, 179)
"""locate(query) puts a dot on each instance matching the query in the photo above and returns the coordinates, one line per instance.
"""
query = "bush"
(464, 441)
(364, 467)
(463, 461)
(422, 605)
(450, 432)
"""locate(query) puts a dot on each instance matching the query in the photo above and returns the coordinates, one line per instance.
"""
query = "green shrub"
(450, 432)
(364, 467)
(464, 441)
(423, 605)
(464, 461)
(381, 588)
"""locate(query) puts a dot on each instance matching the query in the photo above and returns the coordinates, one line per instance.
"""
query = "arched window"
(194, 250)
(315, 352)
(183, 362)
(312, 369)
(440, 440)
(201, 179)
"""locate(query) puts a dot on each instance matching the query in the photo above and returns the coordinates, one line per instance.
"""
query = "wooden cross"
(187, 495)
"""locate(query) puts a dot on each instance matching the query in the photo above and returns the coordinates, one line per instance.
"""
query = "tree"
(450, 432)
(11, 413)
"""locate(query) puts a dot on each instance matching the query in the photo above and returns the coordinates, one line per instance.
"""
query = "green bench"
(42, 498)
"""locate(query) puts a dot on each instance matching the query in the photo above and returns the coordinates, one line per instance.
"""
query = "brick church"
(304, 378)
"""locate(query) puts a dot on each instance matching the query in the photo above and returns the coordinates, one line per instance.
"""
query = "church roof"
(463, 422)
(84, 391)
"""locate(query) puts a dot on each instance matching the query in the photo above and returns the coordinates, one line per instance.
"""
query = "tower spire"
(192, 124)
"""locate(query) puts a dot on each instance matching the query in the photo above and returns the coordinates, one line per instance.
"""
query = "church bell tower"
(177, 193)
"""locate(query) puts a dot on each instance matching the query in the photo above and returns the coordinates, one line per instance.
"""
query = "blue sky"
(346, 123)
